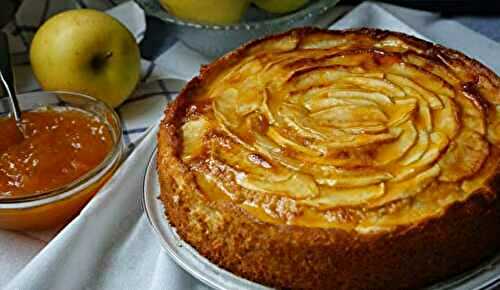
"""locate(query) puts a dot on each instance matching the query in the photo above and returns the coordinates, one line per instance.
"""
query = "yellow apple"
(86, 51)
(280, 6)
(207, 11)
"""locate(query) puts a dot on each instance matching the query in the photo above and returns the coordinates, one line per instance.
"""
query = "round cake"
(316, 159)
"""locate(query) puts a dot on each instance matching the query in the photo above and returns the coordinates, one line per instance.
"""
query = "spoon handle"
(7, 77)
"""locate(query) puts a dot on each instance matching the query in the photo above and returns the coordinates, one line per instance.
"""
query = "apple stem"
(98, 61)
(108, 55)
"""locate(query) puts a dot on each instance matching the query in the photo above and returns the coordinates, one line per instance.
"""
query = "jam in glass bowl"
(52, 163)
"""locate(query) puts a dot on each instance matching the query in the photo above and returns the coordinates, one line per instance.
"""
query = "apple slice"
(439, 141)
(401, 111)
(327, 97)
(485, 172)
(243, 160)
(319, 41)
(231, 106)
(424, 79)
(224, 104)
(472, 114)
(192, 132)
(494, 129)
(268, 148)
(356, 141)
(337, 197)
(315, 105)
(277, 137)
(350, 58)
(273, 46)
(424, 114)
(304, 163)
(297, 186)
(464, 157)
(408, 188)
(305, 79)
(390, 152)
(265, 108)
(353, 178)
(403, 82)
(371, 129)
(344, 116)
(433, 67)
(302, 129)
(416, 152)
(296, 117)
(424, 111)
(378, 98)
(375, 84)
(447, 119)
(391, 43)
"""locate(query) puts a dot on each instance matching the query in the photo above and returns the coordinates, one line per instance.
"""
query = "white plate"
(484, 277)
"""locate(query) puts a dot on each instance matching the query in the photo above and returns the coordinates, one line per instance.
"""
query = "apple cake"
(316, 159)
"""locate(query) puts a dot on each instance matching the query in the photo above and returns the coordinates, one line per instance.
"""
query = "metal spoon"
(7, 79)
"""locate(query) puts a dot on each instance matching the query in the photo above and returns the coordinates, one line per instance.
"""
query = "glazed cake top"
(361, 130)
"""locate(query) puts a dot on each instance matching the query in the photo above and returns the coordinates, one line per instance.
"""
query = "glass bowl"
(48, 209)
(215, 40)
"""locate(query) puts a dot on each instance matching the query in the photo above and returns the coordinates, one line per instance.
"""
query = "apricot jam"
(58, 147)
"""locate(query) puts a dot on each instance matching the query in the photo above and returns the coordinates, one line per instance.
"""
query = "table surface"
(156, 41)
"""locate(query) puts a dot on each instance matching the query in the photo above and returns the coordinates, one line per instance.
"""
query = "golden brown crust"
(408, 256)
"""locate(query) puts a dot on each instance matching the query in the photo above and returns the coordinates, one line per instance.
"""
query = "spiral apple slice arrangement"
(351, 130)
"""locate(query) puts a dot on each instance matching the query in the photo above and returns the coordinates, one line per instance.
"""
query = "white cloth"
(110, 244)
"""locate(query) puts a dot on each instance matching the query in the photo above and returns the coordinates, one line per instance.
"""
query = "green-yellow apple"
(86, 51)
(280, 6)
(207, 11)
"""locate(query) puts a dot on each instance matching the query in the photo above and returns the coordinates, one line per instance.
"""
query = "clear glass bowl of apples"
(214, 27)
